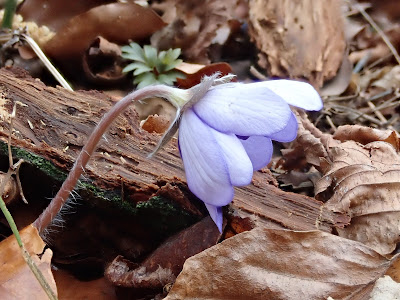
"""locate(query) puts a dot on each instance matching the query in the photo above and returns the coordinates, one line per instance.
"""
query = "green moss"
(162, 215)
(157, 214)
(39, 162)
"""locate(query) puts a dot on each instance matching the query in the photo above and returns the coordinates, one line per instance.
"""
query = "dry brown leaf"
(194, 74)
(54, 14)
(193, 27)
(364, 182)
(70, 287)
(164, 264)
(16, 278)
(102, 62)
(298, 39)
(116, 22)
(385, 288)
(279, 264)
(360, 182)
(365, 135)
(338, 84)
(155, 123)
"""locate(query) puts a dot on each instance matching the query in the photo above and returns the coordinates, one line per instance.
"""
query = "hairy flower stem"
(69, 184)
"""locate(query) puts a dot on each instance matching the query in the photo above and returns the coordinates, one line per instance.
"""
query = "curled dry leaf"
(16, 278)
(360, 182)
(102, 62)
(165, 263)
(365, 135)
(116, 22)
(364, 182)
(155, 123)
(194, 73)
(279, 264)
(280, 28)
(11, 191)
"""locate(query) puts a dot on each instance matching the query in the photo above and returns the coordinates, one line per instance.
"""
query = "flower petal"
(287, 134)
(243, 109)
(215, 214)
(238, 162)
(259, 149)
(206, 171)
(296, 93)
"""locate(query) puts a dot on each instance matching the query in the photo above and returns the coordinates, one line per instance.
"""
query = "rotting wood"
(56, 123)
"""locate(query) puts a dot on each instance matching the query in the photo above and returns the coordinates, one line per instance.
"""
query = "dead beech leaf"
(298, 41)
(193, 27)
(165, 263)
(338, 84)
(385, 288)
(193, 78)
(280, 264)
(360, 183)
(70, 287)
(102, 62)
(155, 123)
(364, 182)
(365, 135)
(16, 278)
(116, 22)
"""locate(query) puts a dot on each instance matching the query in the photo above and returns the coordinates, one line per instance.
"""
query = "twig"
(379, 31)
(28, 259)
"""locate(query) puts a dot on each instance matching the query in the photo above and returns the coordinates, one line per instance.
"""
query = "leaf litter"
(353, 169)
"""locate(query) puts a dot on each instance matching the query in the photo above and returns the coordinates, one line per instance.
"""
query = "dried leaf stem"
(35, 47)
(69, 184)
(380, 32)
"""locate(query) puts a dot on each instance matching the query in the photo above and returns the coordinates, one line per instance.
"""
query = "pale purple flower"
(225, 133)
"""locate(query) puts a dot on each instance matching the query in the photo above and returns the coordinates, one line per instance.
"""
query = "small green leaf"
(172, 65)
(133, 52)
(135, 66)
(145, 79)
(166, 79)
(142, 69)
(150, 55)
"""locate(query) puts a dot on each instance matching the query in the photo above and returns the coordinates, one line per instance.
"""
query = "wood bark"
(55, 124)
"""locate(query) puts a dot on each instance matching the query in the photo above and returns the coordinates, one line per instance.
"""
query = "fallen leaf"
(280, 264)
(116, 22)
(194, 28)
(165, 263)
(54, 14)
(193, 78)
(365, 135)
(338, 84)
(298, 41)
(385, 288)
(70, 287)
(102, 62)
(155, 123)
(364, 184)
(16, 278)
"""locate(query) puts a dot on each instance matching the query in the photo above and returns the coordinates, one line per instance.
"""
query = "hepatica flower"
(226, 132)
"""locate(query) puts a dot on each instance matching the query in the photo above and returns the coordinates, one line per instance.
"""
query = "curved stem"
(69, 184)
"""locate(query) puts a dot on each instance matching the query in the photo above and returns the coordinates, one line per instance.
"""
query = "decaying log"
(55, 123)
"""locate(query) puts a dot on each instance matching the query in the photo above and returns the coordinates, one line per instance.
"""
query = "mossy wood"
(55, 123)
